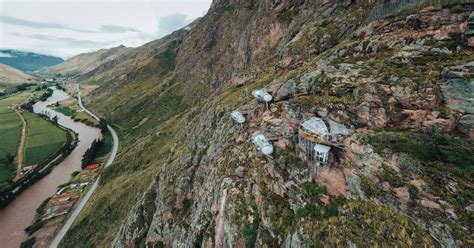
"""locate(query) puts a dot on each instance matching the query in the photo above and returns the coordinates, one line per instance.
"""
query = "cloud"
(168, 24)
(38, 25)
(5, 55)
(45, 25)
(116, 29)
(66, 41)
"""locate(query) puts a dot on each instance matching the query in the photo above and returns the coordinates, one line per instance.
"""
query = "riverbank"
(60, 235)
(33, 140)
(55, 211)
(42, 156)
(54, 217)
(20, 213)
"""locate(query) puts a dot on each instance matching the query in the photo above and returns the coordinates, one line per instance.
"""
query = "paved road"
(20, 146)
(60, 235)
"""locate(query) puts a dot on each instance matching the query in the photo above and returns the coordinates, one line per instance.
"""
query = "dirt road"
(20, 146)
(62, 232)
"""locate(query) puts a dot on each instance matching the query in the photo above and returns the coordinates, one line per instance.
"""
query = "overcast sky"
(68, 27)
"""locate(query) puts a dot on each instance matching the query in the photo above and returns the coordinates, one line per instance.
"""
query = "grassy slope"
(10, 126)
(146, 151)
(85, 62)
(12, 76)
(42, 140)
(124, 182)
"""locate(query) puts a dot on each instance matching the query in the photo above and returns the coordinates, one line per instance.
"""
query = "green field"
(65, 110)
(10, 128)
(43, 139)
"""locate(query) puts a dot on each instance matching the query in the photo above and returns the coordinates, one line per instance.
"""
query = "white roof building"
(237, 117)
(321, 154)
(314, 133)
(262, 143)
(315, 126)
(262, 95)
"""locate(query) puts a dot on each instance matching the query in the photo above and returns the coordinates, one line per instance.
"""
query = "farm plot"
(10, 128)
(43, 139)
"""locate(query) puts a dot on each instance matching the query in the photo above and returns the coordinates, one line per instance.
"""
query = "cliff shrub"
(369, 188)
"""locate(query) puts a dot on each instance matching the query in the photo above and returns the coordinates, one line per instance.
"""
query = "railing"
(383, 10)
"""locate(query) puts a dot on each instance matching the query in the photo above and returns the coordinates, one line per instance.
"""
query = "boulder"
(470, 30)
(282, 143)
(457, 86)
(429, 204)
(414, 119)
(286, 91)
(442, 233)
(466, 126)
(310, 77)
(307, 81)
(402, 95)
(402, 194)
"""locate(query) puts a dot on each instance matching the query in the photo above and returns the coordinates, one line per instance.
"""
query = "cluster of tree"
(46, 94)
(92, 152)
(42, 87)
(103, 126)
(29, 105)
(23, 86)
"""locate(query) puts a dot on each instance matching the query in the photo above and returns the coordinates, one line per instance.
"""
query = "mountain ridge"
(85, 62)
(187, 175)
(27, 61)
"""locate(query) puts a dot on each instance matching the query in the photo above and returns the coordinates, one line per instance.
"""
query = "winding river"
(20, 213)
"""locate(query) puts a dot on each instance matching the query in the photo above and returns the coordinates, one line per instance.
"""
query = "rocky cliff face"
(188, 176)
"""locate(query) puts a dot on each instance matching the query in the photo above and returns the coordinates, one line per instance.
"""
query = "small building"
(316, 139)
(321, 154)
(262, 95)
(310, 133)
(262, 143)
(92, 166)
(64, 197)
(237, 117)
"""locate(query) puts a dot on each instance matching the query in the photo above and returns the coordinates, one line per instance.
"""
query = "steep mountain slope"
(27, 61)
(12, 76)
(188, 176)
(86, 62)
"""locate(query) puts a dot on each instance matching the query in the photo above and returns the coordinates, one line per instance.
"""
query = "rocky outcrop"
(466, 126)
(470, 30)
(213, 188)
(457, 85)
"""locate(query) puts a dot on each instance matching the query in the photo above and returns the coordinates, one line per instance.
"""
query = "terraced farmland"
(43, 139)
(10, 127)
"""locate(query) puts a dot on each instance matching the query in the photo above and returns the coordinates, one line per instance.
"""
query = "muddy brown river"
(20, 213)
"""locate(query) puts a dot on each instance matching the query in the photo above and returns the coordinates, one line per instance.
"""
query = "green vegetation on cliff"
(184, 166)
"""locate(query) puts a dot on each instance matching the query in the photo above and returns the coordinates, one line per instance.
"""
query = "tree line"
(91, 152)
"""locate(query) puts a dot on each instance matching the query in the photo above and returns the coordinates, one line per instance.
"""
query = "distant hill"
(13, 76)
(86, 62)
(27, 61)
